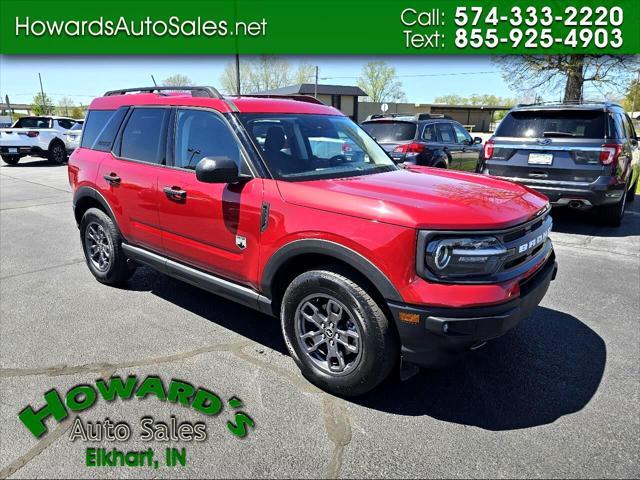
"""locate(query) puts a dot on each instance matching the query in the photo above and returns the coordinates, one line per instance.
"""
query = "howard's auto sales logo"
(83, 397)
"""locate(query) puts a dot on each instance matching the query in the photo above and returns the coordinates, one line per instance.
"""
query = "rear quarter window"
(390, 131)
(554, 124)
(100, 128)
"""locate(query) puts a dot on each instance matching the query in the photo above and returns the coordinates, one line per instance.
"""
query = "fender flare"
(56, 139)
(84, 192)
(330, 249)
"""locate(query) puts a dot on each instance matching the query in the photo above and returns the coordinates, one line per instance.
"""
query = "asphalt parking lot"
(557, 397)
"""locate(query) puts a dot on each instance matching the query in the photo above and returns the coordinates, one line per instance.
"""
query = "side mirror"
(477, 140)
(217, 170)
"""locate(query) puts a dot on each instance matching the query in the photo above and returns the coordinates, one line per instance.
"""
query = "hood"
(420, 197)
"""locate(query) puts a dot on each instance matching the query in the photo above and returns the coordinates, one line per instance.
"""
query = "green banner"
(370, 27)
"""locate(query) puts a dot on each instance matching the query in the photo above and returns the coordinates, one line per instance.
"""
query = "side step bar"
(198, 278)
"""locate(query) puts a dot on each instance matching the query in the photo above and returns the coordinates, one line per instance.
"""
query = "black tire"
(378, 346)
(57, 153)
(118, 268)
(10, 159)
(611, 215)
(631, 194)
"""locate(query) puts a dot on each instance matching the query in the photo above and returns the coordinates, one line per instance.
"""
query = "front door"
(215, 227)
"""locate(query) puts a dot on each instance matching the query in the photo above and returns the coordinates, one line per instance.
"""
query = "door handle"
(175, 193)
(112, 178)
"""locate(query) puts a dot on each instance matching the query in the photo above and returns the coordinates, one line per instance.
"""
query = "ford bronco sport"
(581, 155)
(364, 262)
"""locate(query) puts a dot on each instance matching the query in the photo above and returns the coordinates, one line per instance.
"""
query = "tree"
(264, 73)
(42, 105)
(378, 80)
(77, 112)
(177, 80)
(65, 104)
(631, 100)
(306, 73)
(570, 72)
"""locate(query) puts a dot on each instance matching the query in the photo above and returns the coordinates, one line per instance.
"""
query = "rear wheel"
(57, 153)
(611, 215)
(337, 334)
(631, 194)
(101, 242)
(10, 159)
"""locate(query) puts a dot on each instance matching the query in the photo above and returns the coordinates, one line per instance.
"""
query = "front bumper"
(443, 334)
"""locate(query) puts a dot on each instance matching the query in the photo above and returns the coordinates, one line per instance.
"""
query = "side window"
(95, 122)
(66, 124)
(462, 136)
(107, 135)
(429, 133)
(628, 128)
(202, 134)
(143, 137)
(616, 126)
(446, 133)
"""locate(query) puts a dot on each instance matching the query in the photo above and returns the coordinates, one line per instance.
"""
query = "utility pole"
(238, 74)
(44, 105)
(315, 90)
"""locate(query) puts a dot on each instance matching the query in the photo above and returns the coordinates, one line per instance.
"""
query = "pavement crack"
(48, 439)
(337, 423)
(58, 370)
(35, 183)
(71, 262)
(33, 205)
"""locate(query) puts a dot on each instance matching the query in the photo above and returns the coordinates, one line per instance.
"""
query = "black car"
(582, 155)
(425, 139)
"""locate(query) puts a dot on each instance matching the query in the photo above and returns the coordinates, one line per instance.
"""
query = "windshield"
(553, 123)
(390, 131)
(305, 147)
(33, 122)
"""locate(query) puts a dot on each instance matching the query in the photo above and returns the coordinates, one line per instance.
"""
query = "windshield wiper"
(558, 134)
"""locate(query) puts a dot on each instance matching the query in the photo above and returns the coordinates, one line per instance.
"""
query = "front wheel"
(337, 334)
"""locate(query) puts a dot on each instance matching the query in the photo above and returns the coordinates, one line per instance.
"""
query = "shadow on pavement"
(577, 222)
(33, 163)
(549, 366)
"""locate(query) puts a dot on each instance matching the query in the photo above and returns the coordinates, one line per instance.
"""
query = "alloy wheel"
(328, 334)
(98, 246)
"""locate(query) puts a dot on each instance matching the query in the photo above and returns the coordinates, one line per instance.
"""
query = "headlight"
(464, 256)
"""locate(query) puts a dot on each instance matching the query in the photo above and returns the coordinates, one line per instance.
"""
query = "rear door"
(449, 144)
(466, 157)
(212, 226)
(128, 177)
(551, 145)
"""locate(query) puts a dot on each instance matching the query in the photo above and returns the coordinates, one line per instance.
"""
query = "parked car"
(425, 139)
(364, 263)
(43, 136)
(73, 136)
(584, 156)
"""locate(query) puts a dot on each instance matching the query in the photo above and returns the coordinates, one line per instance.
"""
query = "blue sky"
(83, 78)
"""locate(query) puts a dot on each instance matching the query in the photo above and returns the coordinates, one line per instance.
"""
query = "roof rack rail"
(569, 102)
(298, 98)
(195, 91)
(415, 116)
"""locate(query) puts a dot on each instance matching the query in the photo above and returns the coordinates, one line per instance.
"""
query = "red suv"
(254, 199)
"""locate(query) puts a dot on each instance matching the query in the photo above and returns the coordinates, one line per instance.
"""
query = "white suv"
(44, 136)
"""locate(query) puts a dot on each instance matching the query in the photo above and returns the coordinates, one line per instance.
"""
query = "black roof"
(587, 105)
(309, 89)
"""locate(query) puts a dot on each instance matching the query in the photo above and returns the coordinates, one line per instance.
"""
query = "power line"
(417, 75)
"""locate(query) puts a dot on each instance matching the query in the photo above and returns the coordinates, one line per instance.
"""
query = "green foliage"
(476, 100)
(379, 82)
(631, 100)
(42, 105)
(265, 73)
